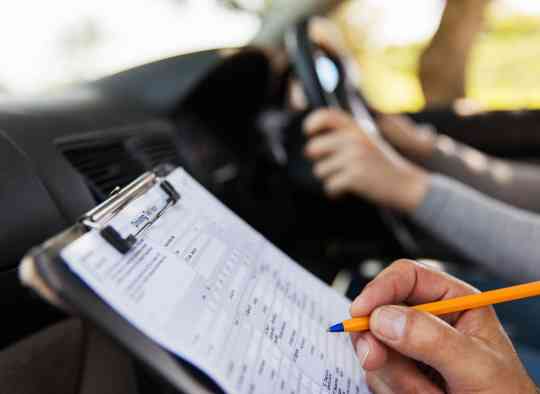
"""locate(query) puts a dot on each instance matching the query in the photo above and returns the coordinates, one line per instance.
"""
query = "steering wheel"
(323, 76)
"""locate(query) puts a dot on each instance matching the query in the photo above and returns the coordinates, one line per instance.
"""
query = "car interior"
(223, 116)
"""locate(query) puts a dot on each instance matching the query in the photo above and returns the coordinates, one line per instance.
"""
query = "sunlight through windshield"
(52, 43)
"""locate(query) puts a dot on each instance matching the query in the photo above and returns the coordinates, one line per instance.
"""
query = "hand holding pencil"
(469, 350)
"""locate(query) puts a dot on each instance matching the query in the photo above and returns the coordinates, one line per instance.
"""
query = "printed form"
(210, 289)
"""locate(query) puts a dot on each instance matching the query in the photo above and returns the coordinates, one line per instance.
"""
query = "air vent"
(105, 164)
(153, 150)
(112, 158)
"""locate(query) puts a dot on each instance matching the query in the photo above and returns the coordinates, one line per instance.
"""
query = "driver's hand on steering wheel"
(347, 160)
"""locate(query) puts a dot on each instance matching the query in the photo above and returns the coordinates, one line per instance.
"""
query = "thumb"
(424, 337)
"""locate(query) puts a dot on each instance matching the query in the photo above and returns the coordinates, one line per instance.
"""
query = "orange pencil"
(453, 305)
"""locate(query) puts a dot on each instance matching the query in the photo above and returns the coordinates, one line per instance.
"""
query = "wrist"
(414, 185)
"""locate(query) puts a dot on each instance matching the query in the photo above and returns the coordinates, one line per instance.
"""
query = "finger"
(408, 282)
(326, 144)
(330, 165)
(326, 119)
(338, 185)
(400, 375)
(424, 337)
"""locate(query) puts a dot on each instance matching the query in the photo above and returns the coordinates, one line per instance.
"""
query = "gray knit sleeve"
(514, 183)
(502, 238)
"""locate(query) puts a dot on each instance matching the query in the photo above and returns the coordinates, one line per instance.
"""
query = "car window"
(47, 44)
(388, 37)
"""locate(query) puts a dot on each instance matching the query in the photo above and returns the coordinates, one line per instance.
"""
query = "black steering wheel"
(323, 76)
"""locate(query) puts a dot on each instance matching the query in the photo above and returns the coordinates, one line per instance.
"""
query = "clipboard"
(204, 300)
(44, 271)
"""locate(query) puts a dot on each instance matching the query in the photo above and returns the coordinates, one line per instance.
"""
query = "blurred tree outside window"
(389, 37)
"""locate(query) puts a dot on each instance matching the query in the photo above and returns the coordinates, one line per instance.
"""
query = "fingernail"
(362, 350)
(389, 322)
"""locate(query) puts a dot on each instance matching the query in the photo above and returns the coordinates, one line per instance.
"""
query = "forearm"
(496, 235)
(512, 183)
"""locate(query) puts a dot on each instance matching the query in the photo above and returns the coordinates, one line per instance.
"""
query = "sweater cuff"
(435, 200)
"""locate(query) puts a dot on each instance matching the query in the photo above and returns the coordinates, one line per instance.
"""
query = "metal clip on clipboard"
(100, 215)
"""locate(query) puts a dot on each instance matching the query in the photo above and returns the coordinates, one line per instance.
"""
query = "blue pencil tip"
(336, 328)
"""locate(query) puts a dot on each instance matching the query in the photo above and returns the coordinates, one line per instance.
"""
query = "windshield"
(47, 44)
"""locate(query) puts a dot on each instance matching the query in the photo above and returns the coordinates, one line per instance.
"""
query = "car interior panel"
(508, 134)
